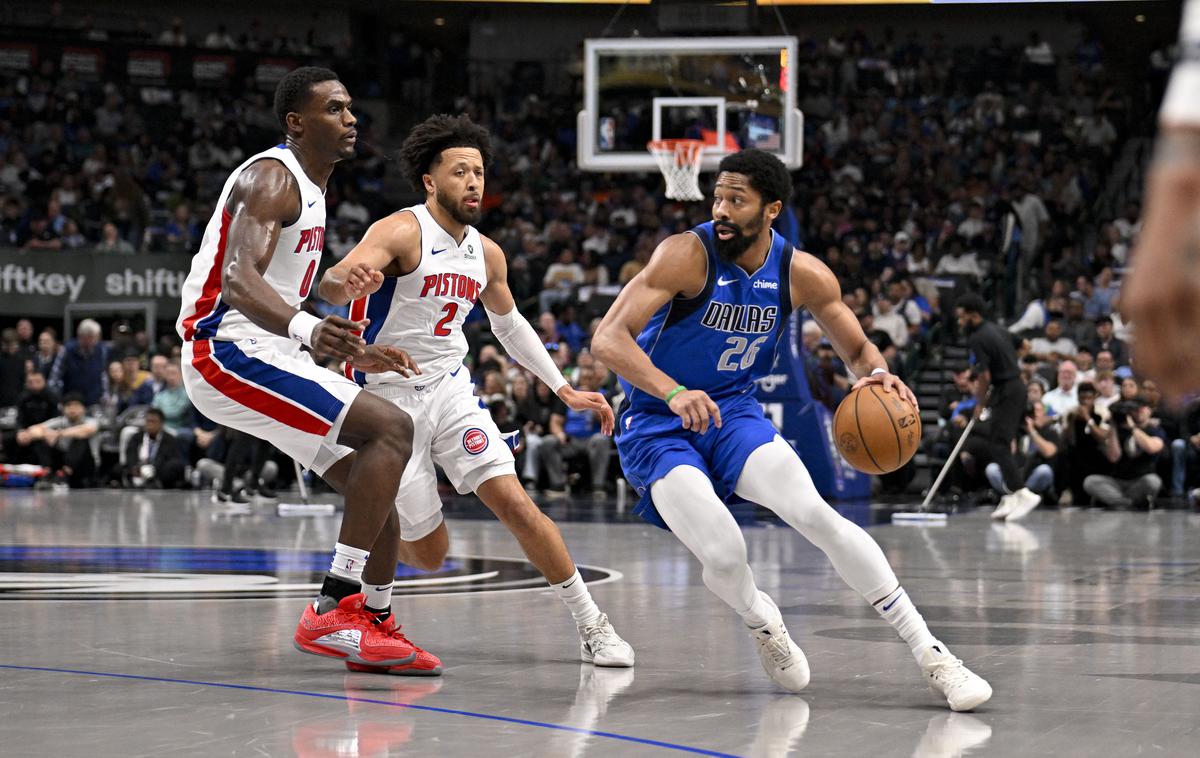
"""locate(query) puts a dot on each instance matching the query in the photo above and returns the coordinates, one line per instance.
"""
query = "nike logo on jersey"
(314, 202)
(722, 281)
(435, 252)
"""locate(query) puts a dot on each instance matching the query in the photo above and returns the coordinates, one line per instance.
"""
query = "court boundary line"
(388, 703)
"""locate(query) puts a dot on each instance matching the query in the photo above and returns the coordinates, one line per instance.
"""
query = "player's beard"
(733, 248)
(457, 211)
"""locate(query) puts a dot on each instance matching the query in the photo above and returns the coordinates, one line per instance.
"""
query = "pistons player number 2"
(442, 329)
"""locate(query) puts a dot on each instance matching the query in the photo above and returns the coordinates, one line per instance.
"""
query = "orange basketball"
(877, 432)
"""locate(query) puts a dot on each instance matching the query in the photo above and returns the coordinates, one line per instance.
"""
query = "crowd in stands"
(921, 166)
(1094, 432)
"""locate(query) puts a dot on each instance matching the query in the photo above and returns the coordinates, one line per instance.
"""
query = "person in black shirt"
(994, 365)
(36, 404)
(12, 368)
(1037, 448)
(1132, 450)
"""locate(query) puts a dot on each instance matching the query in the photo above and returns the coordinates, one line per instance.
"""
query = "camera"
(1123, 412)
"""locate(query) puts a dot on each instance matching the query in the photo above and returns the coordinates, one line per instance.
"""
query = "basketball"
(877, 432)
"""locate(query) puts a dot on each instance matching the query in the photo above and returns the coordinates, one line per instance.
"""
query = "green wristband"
(673, 393)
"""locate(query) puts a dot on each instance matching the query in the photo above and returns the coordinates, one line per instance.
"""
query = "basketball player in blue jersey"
(688, 336)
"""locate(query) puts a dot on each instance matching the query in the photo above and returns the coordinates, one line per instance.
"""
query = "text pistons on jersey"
(310, 240)
(748, 319)
(451, 285)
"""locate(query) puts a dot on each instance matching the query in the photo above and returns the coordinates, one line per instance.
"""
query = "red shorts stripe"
(252, 397)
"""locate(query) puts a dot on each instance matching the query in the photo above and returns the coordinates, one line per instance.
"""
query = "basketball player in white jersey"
(434, 266)
(243, 365)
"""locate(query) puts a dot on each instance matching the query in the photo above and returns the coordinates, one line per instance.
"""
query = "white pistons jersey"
(423, 311)
(205, 313)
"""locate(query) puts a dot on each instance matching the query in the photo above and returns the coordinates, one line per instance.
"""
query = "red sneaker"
(424, 662)
(350, 633)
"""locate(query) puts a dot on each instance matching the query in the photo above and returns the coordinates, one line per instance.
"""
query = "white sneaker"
(1006, 505)
(600, 644)
(781, 658)
(1026, 501)
(947, 676)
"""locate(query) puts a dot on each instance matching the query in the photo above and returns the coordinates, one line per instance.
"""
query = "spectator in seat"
(1106, 341)
(83, 367)
(1185, 451)
(1052, 346)
(1107, 391)
(1064, 398)
(158, 373)
(63, 444)
(111, 241)
(1084, 433)
(561, 278)
(534, 403)
(48, 352)
(36, 404)
(1075, 326)
(574, 434)
(12, 368)
(152, 456)
(955, 261)
(176, 408)
(1132, 449)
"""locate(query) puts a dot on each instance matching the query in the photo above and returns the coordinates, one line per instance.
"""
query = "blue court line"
(348, 699)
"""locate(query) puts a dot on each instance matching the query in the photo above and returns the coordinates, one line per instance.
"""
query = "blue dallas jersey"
(724, 338)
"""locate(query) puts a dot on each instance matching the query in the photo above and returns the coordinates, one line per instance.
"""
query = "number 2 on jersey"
(442, 329)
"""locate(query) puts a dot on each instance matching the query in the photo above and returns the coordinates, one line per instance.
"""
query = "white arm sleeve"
(521, 342)
(1181, 104)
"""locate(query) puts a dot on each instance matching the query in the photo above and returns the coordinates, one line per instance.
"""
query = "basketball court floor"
(156, 625)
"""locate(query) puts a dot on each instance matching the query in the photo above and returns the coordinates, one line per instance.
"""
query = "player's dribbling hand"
(589, 401)
(340, 338)
(695, 407)
(362, 280)
(380, 358)
(890, 383)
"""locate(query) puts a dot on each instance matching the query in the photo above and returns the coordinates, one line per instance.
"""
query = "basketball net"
(679, 161)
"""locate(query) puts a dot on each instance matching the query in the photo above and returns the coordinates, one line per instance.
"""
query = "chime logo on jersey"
(88, 572)
(310, 240)
(475, 440)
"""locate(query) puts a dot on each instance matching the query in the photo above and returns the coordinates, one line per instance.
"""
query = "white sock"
(379, 596)
(574, 594)
(898, 610)
(348, 562)
(761, 612)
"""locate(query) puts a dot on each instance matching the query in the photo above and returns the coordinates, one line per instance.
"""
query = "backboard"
(731, 92)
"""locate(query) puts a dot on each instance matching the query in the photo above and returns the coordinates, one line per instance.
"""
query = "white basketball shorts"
(452, 428)
(270, 388)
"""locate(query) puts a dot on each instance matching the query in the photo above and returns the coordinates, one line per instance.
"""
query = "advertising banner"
(44, 283)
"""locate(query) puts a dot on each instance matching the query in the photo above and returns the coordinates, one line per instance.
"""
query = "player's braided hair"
(766, 173)
(295, 87)
(423, 147)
